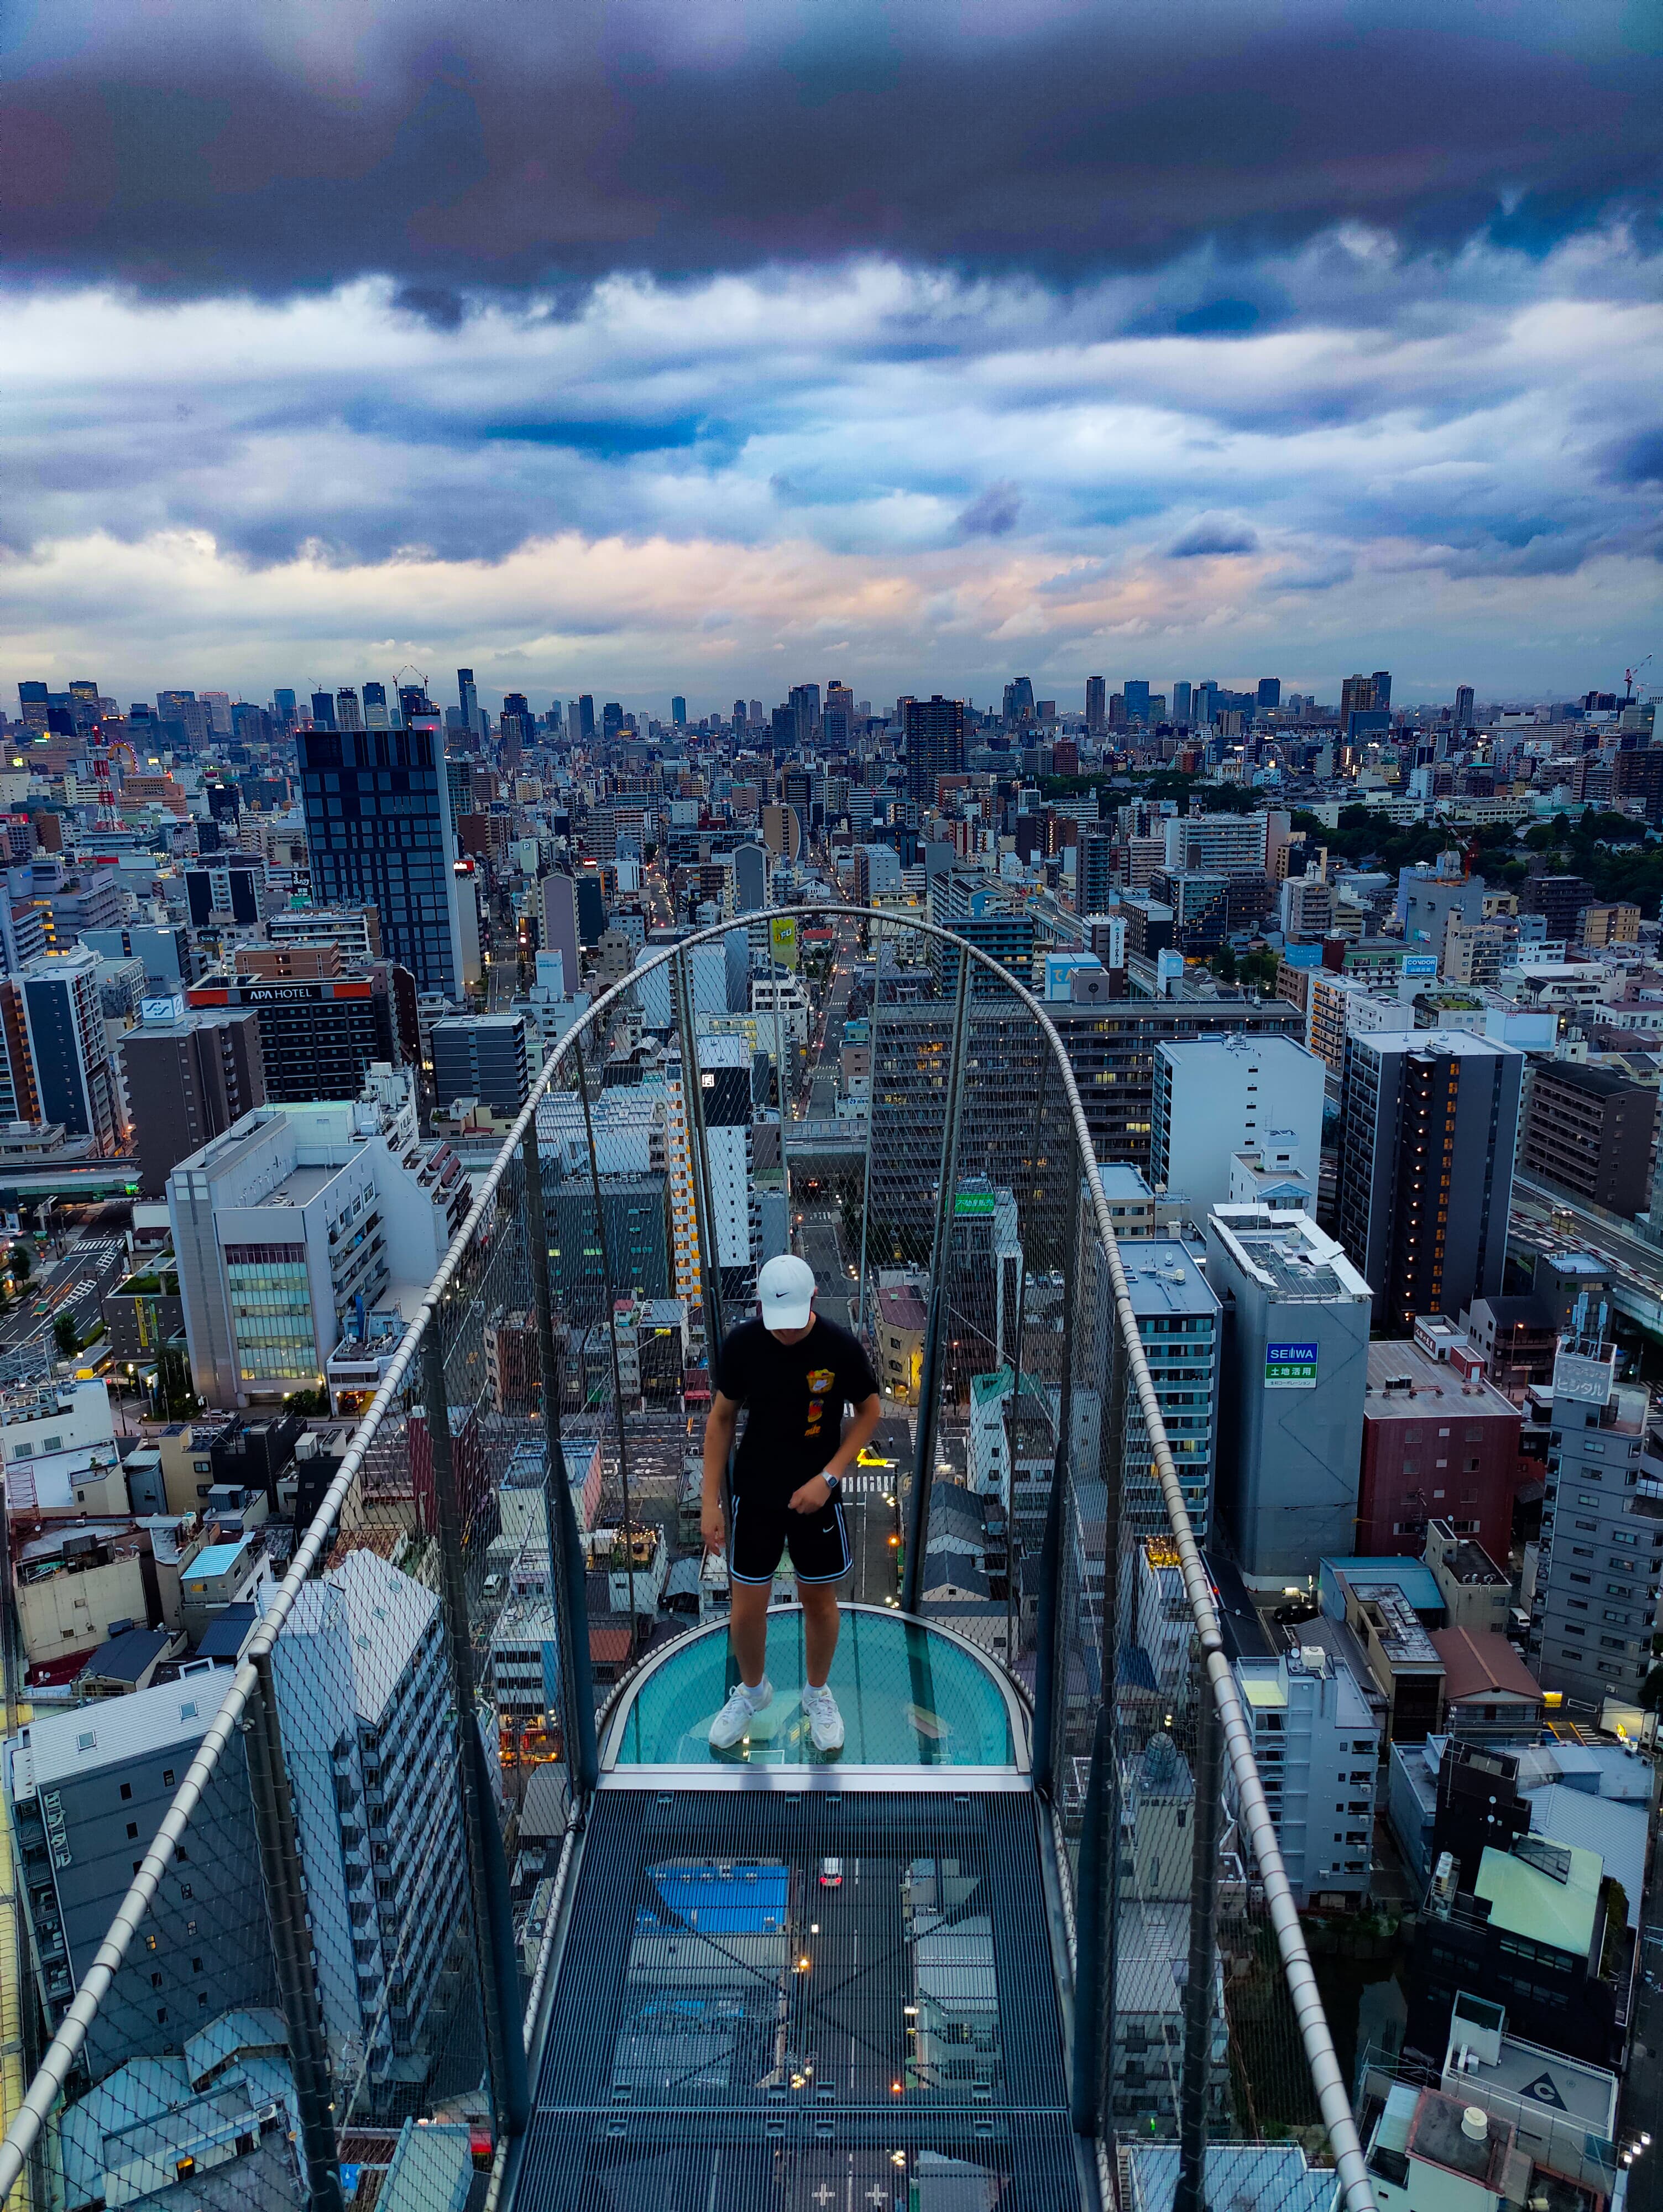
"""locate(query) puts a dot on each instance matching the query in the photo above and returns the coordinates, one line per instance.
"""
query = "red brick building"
(1436, 1447)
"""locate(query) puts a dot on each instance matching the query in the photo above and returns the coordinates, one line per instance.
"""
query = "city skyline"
(1205, 368)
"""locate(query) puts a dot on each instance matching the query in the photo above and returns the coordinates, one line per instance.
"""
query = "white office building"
(1215, 1097)
(293, 1219)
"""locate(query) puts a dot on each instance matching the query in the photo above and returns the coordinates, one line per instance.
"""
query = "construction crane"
(410, 669)
(1629, 675)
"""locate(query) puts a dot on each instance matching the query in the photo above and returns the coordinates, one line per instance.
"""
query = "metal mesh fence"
(337, 1884)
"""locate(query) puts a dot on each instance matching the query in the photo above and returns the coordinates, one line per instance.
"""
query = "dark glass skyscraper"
(935, 743)
(378, 833)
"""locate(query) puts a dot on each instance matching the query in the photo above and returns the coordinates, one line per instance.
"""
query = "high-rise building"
(1560, 901)
(1094, 871)
(934, 744)
(585, 729)
(1096, 704)
(186, 709)
(69, 1050)
(1179, 1317)
(323, 710)
(84, 702)
(1135, 694)
(379, 832)
(678, 711)
(1019, 702)
(750, 878)
(559, 925)
(1462, 716)
(321, 1034)
(803, 704)
(1295, 1375)
(467, 696)
(215, 705)
(188, 1079)
(1204, 707)
(1215, 1097)
(1270, 694)
(635, 1213)
(1428, 1122)
(1594, 1610)
(482, 1056)
(1381, 682)
(1588, 1131)
(1181, 701)
(364, 1702)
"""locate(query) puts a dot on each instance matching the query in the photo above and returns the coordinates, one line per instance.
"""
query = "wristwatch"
(833, 1482)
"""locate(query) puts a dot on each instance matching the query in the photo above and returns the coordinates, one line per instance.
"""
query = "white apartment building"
(1217, 844)
(1217, 1096)
(1317, 1744)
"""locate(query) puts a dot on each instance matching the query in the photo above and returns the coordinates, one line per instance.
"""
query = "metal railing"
(371, 1826)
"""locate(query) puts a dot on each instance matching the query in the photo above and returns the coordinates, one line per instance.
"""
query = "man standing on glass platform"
(794, 1373)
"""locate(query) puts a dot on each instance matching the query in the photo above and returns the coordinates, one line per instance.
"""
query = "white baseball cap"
(785, 1288)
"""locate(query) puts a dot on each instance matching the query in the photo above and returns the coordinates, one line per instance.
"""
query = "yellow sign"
(783, 933)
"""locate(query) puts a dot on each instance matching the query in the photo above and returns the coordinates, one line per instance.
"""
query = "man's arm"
(719, 1425)
(860, 1430)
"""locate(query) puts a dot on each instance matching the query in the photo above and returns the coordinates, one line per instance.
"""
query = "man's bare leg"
(821, 1617)
(748, 1627)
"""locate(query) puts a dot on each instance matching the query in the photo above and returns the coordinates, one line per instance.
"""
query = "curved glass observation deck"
(912, 1697)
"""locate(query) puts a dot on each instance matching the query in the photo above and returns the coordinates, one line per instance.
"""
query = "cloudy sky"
(637, 348)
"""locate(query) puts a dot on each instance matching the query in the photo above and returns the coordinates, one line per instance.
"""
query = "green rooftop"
(1547, 1892)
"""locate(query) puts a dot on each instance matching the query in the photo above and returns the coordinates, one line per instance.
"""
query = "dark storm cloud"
(993, 514)
(1637, 459)
(1213, 534)
(201, 148)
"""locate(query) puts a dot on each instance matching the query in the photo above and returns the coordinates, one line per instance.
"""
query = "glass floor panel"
(909, 1695)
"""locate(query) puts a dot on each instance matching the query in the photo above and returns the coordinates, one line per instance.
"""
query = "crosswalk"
(865, 1485)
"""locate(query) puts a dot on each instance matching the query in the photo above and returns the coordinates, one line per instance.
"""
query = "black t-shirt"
(794, 1395)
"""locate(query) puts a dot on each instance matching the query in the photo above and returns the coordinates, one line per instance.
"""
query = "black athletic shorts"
(763, 1527)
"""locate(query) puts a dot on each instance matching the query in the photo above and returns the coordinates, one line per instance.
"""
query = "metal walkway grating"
(820, 2001)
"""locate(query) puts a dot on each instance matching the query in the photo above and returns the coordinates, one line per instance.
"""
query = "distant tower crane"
(1629, 675)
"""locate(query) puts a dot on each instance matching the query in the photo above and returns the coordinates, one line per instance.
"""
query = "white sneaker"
(825, 1722)
(738, 1713)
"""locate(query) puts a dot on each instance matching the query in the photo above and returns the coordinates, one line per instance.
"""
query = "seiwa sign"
(1291, 1367)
